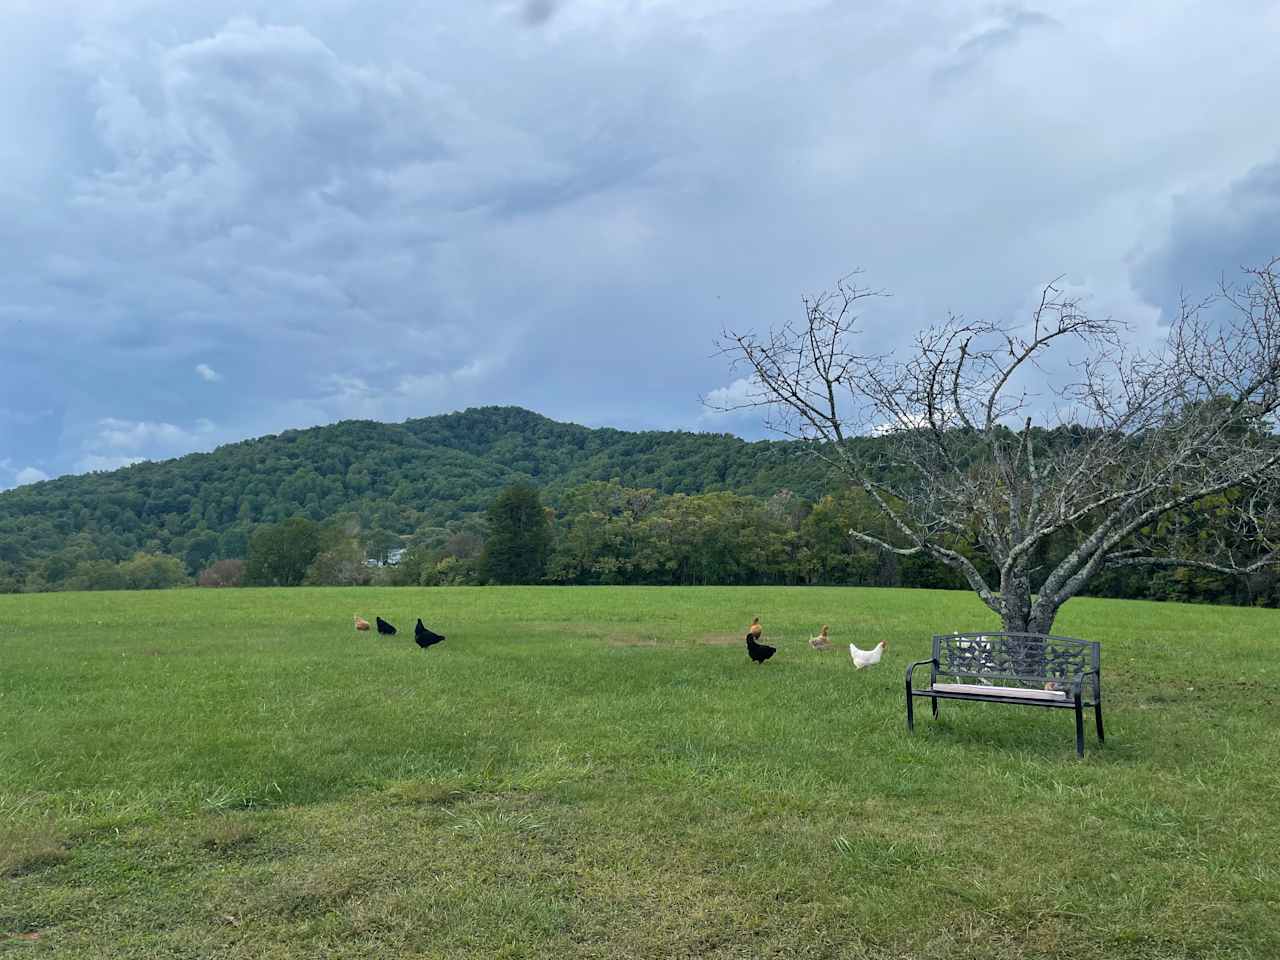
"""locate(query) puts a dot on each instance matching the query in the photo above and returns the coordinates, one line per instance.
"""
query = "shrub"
(149, 572)
(342, 566)
(222, 573)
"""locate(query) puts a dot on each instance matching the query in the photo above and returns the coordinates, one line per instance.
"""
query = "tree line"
(608, 533)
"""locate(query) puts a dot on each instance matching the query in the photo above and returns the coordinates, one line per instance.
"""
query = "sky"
(226, 219)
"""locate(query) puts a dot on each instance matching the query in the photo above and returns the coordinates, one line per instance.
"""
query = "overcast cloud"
(242, 217)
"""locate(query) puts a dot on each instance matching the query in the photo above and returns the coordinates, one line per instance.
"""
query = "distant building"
(393, 559)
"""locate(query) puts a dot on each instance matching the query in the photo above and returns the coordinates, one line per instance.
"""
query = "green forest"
(312, 506)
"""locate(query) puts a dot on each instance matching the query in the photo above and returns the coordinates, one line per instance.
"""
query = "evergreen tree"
(519, 537)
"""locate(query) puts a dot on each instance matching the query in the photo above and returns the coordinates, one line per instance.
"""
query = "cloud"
(1213, 233)
(96, 462)
(1002, 31)
(115, 442)
(207, 373)
(261, 122)
(11, 476)
(398, 396)
(29, 475)
(136, 435)
(337, 205)
(724, 401)
(538, 12)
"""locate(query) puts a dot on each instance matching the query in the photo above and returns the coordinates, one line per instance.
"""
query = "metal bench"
(1030, 669)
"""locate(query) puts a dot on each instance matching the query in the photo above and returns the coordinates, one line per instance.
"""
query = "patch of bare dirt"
(719, 640)
(631, 640)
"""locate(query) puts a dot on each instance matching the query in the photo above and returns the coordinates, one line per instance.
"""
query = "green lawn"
(601, 772)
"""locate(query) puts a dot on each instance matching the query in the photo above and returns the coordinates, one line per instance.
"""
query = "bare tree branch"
(989, 459)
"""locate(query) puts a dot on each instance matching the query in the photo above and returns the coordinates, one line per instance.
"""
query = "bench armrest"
(919, 663)
(1077, 684)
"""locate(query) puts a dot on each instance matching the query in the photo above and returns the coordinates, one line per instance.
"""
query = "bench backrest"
(1026, 659)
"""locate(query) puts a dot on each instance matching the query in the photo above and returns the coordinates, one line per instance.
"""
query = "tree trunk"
(1015, 602)
(1042, 616)
(1020, 614)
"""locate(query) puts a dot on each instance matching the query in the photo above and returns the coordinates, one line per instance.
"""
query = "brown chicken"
(361, 624)
(755, 629)
(820, 642)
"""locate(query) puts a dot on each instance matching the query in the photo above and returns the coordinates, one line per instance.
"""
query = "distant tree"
(450, 571)
(281, 553)
(148, 572)
(222, 573)
(10, 581)
(98, 575)
(341, 565)
(519, 537)
(233, 543)
(200, 549)
(599, 536)
(143, 571)
(10, 549)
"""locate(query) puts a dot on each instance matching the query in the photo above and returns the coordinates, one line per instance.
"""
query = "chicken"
(424, 637)
(384, 628)
(865, 658)
(759, 652)
(820, 642)
(755, 629)
(361, 623)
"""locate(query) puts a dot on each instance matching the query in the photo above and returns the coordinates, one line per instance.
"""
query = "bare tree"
(987, 458)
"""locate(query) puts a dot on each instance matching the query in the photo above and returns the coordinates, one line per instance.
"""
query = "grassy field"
(601, 772)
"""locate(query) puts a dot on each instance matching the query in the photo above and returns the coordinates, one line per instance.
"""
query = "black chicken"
(759, 652)
(423, 636)
(385, 628)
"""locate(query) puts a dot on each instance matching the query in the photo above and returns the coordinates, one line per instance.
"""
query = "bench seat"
(1012, 693)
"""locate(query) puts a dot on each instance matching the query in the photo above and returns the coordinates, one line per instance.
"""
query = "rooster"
(755, 629)
(384, 628)
(424, 637)
(865, 658)
(820, 642)
(361, 623)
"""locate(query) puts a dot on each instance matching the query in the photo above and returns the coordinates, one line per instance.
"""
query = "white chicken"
(866, 658)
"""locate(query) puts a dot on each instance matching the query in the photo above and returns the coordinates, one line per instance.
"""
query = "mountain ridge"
(400, 477)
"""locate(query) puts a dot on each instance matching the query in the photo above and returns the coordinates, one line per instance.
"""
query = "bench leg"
(1097, 718)
(935, 707)
(911, 714)
(1079, 730)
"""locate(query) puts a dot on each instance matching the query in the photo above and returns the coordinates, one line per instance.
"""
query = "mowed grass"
(601, 772)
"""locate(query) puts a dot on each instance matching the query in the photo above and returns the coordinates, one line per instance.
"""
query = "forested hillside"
(397, 479)
(656, 508)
